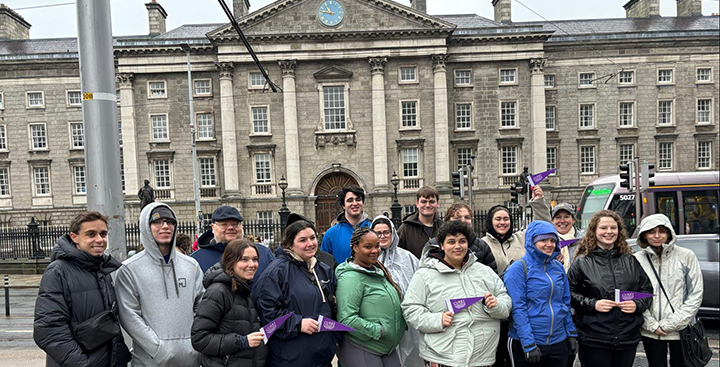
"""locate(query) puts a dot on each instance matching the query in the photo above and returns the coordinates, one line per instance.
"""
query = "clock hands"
(327, 11)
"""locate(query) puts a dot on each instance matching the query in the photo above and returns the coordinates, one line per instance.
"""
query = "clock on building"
(330, 13)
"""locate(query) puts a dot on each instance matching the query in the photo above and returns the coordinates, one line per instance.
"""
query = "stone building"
(365, 88)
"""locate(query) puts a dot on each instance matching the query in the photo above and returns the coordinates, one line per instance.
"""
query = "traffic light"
(646, 175)
(627, 175)
(515, 191)
(458, 183)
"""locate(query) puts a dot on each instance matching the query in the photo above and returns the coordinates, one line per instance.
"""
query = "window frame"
(68, 100)
(417, 114)
(515, 124)
(672, 76)
(620, 115)
(2, 101)
(594, 160)
(463, 85)
(9, 182)
(472, 117)
(72, 136)
(593, 83)
(27, 99)
(518, 162)
(35, 192)
(195, 92)
(73, 174)
(547, 158)
(252, 86)
(403, 162)
(594, 116)
(214, 169)
(515, 77)
(626, 84)
(633, 147)
(709, 157)
(169, 173)
(267, 121)
(709, 81)
(554, 113)
(30, 136)
(672, 112)
(149, 89)
(3, 138)
(554, 79)
(270, 168)
(712, 111)
(346, 96)
(212, 126)
(167, 128)
(672, 155)
(409, 81)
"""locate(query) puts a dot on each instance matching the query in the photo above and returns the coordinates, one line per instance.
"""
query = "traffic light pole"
(638, 194)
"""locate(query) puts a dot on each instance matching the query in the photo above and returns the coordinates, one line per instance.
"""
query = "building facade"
(365, 89)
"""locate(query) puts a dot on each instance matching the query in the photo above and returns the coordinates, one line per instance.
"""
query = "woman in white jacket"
(679, 271)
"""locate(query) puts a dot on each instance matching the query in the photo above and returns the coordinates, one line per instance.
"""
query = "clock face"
(330, 13)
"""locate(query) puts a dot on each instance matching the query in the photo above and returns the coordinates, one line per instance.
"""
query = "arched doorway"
(326, 205)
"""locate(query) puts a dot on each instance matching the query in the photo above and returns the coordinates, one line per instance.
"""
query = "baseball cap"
(161, 212)
(563, 206)
(226, 212)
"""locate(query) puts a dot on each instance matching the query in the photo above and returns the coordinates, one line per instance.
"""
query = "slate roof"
(41, 48)
(470, 21)
(190, 31)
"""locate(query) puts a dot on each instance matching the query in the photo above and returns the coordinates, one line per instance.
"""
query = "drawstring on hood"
(153, 249)
(491, 230)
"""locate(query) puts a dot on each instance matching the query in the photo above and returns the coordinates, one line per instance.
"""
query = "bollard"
(7, 296)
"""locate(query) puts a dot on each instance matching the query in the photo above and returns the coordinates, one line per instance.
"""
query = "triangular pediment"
(297, 17)
(333, 72)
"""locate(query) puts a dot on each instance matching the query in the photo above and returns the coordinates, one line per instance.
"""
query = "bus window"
(594, 198)
(666, 203)
(701, 211)
(624, 205)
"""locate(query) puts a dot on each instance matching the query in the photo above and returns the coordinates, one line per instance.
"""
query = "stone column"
(229, 136)
(537, 108)
(379, 125)
(129, 135)
(292, 143)
(442, 157)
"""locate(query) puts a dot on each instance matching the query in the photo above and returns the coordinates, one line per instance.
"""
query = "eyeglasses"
(224, 225)
(163, 221)
(384, 234)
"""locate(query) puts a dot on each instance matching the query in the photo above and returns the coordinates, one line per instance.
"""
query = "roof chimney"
(419, 5)
(241, 8)
(642, 8)
(12, 25)
(689, 8)
(503, 11)
(156, 18)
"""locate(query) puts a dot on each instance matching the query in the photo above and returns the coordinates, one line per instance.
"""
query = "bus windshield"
(594, 198)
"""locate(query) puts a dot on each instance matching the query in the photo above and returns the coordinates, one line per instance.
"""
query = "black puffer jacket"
(222, 321)
(596, 277)
(75, 287)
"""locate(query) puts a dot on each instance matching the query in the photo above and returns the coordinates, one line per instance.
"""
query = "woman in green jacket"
(369, 302)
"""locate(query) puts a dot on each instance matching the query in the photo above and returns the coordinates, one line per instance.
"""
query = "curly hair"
(589, 242)
(452, 228)
(450, 213)
(355, 240)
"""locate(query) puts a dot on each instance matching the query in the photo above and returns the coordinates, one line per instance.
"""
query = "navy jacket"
(287, 285)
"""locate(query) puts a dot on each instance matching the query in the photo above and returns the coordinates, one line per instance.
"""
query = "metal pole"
(7, 296)
(196, 174)
(638, 195)
(470, 169)
(102, 148)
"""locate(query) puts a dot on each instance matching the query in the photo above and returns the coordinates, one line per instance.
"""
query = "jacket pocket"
(440, 344)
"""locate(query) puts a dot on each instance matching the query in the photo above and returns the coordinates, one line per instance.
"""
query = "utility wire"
(44, 6)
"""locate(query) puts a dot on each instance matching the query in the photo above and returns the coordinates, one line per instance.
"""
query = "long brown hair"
(355, 240)
(233, 253)
(450, 213)
(589, 242)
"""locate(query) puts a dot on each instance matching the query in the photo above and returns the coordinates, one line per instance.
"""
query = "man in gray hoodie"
(157, 291)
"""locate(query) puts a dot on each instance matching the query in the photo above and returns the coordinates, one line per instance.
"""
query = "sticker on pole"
(88, 96)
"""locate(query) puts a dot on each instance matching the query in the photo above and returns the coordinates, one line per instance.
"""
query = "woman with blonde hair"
(608, 331)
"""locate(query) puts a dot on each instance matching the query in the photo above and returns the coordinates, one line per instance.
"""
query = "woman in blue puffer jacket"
(542, 332)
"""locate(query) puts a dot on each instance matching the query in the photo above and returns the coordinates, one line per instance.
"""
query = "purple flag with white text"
(621, 296)
(538, 177)
(270, 328)
(568, 242)
(459, 304)
(327, 324)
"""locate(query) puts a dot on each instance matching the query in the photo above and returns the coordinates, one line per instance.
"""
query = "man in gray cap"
(563, 218)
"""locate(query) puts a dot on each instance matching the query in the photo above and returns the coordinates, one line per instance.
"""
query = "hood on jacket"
(66, 249)
(395, 237)
(433, 257)
(152, 248)
(489, 229)
(539, 227)
(649, 223)
(342, 219)
(349, 266)
(206, 241)
(414, 218)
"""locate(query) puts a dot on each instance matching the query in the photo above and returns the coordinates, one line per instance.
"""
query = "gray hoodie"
(157, 300)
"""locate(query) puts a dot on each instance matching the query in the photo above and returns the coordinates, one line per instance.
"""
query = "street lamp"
(284, 211)
(395, 208)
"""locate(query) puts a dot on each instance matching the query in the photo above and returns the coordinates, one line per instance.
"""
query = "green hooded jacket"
(367, 300)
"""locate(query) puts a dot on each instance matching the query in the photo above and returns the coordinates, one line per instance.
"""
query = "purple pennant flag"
(327, 324)
(270, 328)
(538, 177)
(621, 296)
(459, 304)
(568, 242)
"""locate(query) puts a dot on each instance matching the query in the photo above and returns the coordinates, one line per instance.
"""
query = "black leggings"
(594, 356)
(657, 351)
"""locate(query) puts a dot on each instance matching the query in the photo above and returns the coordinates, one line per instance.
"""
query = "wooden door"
(326, 204)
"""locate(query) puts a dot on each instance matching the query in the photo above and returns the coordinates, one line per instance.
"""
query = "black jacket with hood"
(222, 322)
(75, 287)
(413, 233)
(478, 247)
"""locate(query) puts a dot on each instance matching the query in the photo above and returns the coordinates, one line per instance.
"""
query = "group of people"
(430, 293)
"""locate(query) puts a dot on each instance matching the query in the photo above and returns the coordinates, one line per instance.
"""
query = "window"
(463, 77)
(549, 81)
(334, 107)
(159, 127)
(3, 138)
(4, 182)
(38, 136)
(410, 162)
(262, 168)
(665, 155)
(704, 152)
(587, 116)
(587, 80)
(203, 87)
(703, 75)
(257, 80)
(665, 113)
(265, 222)
(626, 77)
(161, 168)
(260, 122)
(507, 76)
(122, 173)
(464, 157)
(156, 89)
(509, 161)
(41, 180)
(551, 153)
(409, 209)
(627, 153)
(408, 113)
(35, 99)
(507, 114)
(79, 175)
(77, 135)
(120, 139)
(665, 76)
(408, 74)
(204, 122)
(207, 172)
(704, 111)
(2, 101)
(74, 98)
(587, 160)
(627, 114)
(463, 116)
(550, 118)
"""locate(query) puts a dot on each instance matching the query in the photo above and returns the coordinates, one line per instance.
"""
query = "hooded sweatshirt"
(541, 297)
(414, 234)
(156, 301)
(401, 263)
(681, 277)
(336, 240)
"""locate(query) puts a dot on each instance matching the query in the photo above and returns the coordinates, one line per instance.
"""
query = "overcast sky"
(129, 17)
